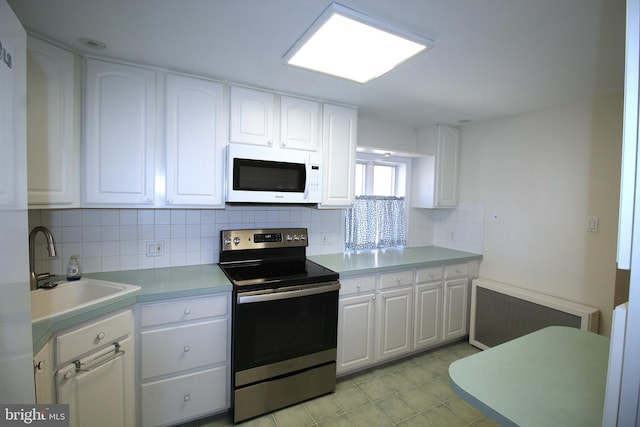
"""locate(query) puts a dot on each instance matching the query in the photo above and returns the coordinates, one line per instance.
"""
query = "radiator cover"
(502, 312)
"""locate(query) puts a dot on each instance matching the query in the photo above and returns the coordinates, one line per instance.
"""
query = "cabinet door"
(194, 141)
(396, 323)
(102, 394)
(355, 332)
(447, 166)
(43, 375)
(119, 134)
(299, 123)
(13, 180)
(251, 116)
(435, 176)
(53, 150)
(428, 318)
(339, 137)
(456, 308)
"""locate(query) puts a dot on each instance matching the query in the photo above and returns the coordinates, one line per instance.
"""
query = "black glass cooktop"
(277, 273)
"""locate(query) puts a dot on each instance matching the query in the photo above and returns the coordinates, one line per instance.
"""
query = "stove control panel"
(263, 238)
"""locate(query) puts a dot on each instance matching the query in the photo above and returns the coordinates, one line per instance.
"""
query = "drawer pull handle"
(398, 280)
(431, 275)
(187, 311)
(187, 397)
(187, 349)
(100, 336)
(358, 286)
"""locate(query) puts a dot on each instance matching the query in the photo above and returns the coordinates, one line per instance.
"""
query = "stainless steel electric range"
(285, 317)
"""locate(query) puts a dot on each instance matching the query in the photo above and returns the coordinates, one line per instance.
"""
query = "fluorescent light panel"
(348, 44)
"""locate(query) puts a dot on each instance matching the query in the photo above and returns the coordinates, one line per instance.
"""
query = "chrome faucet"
(51, 247)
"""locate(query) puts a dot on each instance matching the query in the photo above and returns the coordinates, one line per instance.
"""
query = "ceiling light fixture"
(354, 46)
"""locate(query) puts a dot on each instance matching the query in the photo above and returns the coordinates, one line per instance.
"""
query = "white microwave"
(272, 175)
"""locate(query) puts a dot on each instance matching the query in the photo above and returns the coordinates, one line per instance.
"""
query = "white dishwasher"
(96, 372)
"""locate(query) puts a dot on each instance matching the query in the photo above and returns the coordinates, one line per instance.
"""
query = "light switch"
(593, 224)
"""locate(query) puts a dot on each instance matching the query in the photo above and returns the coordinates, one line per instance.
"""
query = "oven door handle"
(286, 293)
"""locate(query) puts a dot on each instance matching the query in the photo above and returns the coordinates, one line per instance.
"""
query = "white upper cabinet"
(13, 179)
(251, 116)
(435, 176)
(195, 134)
(119, 134)
(53, 148)
(299, 123)
(339, 138)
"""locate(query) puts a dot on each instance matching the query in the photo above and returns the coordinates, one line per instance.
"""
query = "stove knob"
(236, 241)
(227, 241)
(303, 237)
(289, 238)
(296, 237)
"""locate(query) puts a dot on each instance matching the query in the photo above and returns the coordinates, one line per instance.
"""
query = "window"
(377, 218)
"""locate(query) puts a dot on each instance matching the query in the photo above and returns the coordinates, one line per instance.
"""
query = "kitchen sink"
(75, 295)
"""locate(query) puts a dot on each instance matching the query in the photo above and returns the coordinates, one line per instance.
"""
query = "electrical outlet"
(155, 249)
(325, 239)
(151, 248)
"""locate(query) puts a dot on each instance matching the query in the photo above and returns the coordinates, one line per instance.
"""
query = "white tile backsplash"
(116, 239)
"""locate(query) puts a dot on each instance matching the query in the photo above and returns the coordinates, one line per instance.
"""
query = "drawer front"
(184, 397)
(73, 344)
(456, 270)
(354, 285)
(183, 309)
(429, 274)
(169, 350)
(396, 278)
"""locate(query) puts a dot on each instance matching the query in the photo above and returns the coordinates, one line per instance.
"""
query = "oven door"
(280, 331)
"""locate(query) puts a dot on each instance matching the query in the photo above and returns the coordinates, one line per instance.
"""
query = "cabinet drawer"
(353, 285)
(396, 278)
(178, 348)
(183, 309)
(428, 274)
(456, 270)
(74, 344)
(187, 396)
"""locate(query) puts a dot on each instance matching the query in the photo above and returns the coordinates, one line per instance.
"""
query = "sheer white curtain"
(376, 222)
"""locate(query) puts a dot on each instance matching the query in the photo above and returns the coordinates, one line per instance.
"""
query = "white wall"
(544, 174)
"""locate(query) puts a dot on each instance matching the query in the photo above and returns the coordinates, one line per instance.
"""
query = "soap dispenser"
(73, 268)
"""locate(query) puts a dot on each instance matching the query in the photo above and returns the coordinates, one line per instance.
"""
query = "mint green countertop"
(368, 262)
(155, 284)
(552, 377)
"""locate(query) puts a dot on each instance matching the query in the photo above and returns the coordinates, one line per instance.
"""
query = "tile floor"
(410, 392)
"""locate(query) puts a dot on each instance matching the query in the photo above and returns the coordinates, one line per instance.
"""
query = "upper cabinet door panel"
(447, 168)
(299, 123)
(339, 138)
(194, 137)
(119, 134)
(251, 116)
(52, 146)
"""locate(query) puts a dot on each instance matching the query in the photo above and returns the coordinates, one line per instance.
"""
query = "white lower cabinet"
(183, 396)
(184, 359)
(456, 302)
(395, 322)
(94, 361)
(355, 341)
(356, 316)
(391, 314)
